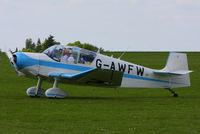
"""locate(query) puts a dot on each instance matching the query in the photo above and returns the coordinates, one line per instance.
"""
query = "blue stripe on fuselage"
(63, 66)
(143, 78)
(28, 61)
(148, 79)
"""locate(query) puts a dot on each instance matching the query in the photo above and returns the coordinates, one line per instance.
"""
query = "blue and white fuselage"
(93, 68)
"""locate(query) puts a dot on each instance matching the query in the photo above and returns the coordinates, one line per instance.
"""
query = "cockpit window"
(70, 54)
(86, 57)
(54, 52)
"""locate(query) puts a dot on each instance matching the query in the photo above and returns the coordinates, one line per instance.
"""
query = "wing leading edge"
(71, 76)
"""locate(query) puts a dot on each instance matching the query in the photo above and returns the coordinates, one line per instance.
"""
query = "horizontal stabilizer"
(180, 72)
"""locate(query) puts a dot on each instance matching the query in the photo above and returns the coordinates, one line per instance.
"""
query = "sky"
(115, 25)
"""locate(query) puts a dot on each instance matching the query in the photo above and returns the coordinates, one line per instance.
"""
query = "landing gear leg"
(55, 84)
(39, 83)
(36, 91)
(174, 93)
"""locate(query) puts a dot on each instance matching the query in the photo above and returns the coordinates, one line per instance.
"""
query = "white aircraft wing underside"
(92, 76)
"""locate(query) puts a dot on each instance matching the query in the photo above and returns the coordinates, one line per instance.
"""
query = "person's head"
(68, 51)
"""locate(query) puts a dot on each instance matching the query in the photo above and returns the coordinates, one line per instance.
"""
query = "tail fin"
(176, 64)
(177, 69)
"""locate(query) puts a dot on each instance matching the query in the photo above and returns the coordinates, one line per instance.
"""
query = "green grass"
(98, 110)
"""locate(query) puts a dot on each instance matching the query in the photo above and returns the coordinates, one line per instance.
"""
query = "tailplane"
(176, 69)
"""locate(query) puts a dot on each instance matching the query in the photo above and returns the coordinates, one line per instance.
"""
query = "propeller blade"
(11, 58)
(9, 54)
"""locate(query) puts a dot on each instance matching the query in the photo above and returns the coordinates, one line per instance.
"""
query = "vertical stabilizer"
(176, 62)
(177, 70)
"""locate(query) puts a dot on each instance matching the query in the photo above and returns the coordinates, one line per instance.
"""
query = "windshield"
(54, 52)
(86, 57)
(67, 54)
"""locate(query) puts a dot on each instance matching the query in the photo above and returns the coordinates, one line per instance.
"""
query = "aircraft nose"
(26, 62)
(13, 60)
(19, 60)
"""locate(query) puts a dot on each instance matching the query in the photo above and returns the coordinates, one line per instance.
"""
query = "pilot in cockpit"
(67, 55)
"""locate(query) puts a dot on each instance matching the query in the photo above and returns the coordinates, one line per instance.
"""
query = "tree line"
(31, 46)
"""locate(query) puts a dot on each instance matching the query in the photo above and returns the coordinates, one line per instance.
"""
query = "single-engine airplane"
(79, 66)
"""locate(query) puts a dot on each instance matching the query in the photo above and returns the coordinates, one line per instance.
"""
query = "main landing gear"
(55, 92)
(36, 91)
(174, 93)
(50, 93)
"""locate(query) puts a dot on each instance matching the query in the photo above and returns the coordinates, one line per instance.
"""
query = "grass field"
(95, 110)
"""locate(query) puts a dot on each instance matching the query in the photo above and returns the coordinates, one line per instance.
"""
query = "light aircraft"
(79, 66)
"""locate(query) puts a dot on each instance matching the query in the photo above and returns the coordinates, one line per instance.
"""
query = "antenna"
(121, 55)
(98, 51)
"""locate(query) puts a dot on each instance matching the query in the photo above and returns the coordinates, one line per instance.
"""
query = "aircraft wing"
(180, 72)
(71, 76)
(92, 76)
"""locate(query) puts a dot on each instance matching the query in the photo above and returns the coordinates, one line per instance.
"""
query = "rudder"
(176, 62)
(176, 70)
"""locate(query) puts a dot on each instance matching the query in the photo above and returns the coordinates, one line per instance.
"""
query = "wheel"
(35, 96)
(56, 93)
(175, 95)
(32, 92)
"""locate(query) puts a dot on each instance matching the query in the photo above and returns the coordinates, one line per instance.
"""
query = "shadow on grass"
(130, 97)
(102, 98)
(113, 98)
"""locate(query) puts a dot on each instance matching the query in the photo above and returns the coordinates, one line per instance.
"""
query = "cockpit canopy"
(67, 54)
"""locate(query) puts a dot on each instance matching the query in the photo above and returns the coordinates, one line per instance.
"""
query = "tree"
(76, 44)
(85, 46)
(30, 46)
(48, 43)
(16, 50)
(101, 49)
(38, 46)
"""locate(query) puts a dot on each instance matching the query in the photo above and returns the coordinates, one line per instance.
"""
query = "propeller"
(13, 60)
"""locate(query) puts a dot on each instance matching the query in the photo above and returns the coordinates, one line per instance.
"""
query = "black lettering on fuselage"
(106, 65)
(140, 70)
(98, 63)
(112, 67)
(122, 67)
(130, 67)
